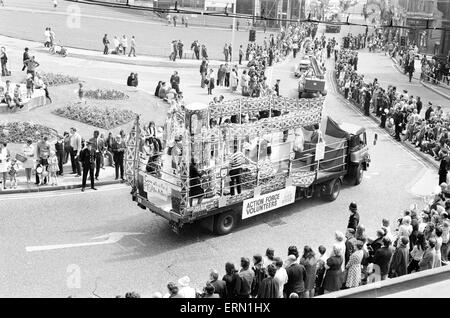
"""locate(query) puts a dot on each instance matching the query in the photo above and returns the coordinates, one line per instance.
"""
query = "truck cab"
(302, 67)
(312, 81)
(359, 160)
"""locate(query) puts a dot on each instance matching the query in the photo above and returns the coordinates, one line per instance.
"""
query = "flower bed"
(98, 116)
(107, 94)
(19, 132)
(57, 79)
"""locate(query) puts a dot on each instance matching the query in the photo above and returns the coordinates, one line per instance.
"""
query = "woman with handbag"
(28, 151)
(4, 160)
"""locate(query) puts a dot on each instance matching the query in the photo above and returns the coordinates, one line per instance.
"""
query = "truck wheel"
(324, 92)
(359, 172)
(335, 189)
(224, 223)
(299, 94)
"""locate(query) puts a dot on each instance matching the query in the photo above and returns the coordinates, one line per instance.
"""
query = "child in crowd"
(30, 86)
(81, 92)
(13, 168)
(53, 168)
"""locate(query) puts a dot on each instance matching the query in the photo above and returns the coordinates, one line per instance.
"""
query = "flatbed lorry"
(222, 163)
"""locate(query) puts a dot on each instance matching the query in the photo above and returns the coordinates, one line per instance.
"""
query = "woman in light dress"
(353, 266)
(28, 152)
(4, 160)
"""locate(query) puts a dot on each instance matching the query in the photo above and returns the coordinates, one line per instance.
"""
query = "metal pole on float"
(233, 33)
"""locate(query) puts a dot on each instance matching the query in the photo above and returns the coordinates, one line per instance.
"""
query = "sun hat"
(184, 281)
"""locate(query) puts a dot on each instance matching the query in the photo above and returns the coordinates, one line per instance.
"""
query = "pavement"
(92, 55)
(79, 25)
(66, 182)
(440, 89)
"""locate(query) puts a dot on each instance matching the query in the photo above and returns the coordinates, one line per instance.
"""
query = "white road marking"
(59, 193)
(111, 238)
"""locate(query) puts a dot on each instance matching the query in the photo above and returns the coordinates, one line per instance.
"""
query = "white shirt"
(187, 292)
(281, 277)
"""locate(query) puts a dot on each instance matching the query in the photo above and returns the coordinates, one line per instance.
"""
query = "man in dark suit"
(87, 158)
(26, 58)
(428, 260)
(382, 258)
(429, 111)
(277, 87)
(195, 46)
(98, 146)
(418, 105)
(376, 244)
(118, 150)
(410, 69)
(398, 121)
(220, 286)
(296, 277)
(175, 82)
(106, 45)
(353, 220)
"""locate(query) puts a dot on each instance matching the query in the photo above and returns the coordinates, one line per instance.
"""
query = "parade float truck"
(312, 79)
(286, 152)
(333, 17)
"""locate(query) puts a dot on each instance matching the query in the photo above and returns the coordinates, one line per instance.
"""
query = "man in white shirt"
(124, 42)
(386, 226)
(281, 276)
(75, 149)
(116, 44)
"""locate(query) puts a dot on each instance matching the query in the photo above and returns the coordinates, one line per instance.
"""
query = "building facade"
(422, 16)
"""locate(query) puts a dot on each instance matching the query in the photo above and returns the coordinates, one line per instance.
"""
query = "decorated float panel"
(191, 174)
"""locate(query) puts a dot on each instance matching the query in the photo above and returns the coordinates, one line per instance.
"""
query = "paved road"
(66, 243)
(146, 262)
(82, 25)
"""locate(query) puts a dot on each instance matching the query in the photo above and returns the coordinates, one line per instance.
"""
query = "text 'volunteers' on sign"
(267, 202)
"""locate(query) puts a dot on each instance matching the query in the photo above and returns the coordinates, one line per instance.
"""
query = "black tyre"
(359, 172)
(225, 223)
(324, 92)
(335, 189)
(299, 94)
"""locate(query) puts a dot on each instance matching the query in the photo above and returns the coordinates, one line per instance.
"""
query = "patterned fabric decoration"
(132, 155)
(254, 105)
(303, 179)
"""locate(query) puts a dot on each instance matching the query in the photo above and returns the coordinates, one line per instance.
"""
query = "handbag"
(21, 158)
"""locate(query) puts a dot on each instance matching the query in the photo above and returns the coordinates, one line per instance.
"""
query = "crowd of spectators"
(418, 243)
(46, 159)
(399, 112)
(433, 70)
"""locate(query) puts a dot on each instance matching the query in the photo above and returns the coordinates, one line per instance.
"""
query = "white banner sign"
(320, 151)
(267, 202)
(157, 187)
